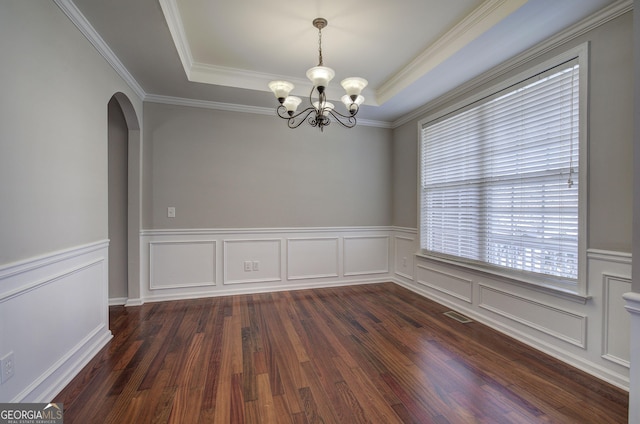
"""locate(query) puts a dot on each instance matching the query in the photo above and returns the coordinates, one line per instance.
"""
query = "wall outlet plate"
(7, 367)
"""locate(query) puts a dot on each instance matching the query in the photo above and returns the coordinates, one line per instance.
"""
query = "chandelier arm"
(281, 111)
(348, 122)
(292, 121)
(348, 117)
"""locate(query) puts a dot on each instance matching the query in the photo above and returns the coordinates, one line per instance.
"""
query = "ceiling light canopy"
(319, 113)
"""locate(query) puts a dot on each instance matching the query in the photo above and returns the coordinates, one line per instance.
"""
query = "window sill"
(512, 278)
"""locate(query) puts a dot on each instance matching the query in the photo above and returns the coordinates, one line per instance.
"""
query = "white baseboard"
(117, 301)
(263, 289)
(64, 370)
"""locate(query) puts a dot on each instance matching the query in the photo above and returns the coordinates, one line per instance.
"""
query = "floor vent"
(458, 317)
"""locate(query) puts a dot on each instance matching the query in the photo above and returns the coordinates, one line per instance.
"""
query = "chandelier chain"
(320, 46)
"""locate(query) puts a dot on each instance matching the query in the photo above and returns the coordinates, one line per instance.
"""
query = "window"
(501, 179)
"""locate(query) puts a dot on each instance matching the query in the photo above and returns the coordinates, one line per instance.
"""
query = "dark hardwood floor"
(374, 353)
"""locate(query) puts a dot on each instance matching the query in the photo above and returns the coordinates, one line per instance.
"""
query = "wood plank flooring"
(373, 353)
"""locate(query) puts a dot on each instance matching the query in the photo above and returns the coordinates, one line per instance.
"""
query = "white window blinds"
(499, 180)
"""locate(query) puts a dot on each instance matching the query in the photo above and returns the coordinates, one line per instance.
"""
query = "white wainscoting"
(310, 258)
(556, 322)
(591, 334)
(404, 254)
(184, 264)
(366, 255)
(179, 264)
(54, 317)
(263, 256)
(445, 282)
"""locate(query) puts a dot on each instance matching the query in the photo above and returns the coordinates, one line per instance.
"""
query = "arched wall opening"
(124, 146)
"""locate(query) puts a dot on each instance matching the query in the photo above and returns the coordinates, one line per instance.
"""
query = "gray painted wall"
(235, 170)
(610, 140)
(53, 132)
(223, 169)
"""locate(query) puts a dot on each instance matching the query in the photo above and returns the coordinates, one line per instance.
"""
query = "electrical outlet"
(7, 367)
(171, 212)
(255, 266)
(247, 266)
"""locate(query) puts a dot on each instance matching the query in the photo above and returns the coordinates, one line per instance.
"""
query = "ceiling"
(410, 51)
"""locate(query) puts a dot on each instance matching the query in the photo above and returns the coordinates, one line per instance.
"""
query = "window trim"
(573, 287)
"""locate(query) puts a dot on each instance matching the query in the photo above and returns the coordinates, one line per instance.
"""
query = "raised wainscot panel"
(365, 255)
(616, 320)
(51, 320)
(252, 261)
(404, 256)
(312, 258)
(178, 264)
(54, 318)
(444, 282)
(561, 324)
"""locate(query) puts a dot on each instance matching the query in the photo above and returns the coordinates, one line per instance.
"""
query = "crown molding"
(78, 19)
(597, 19)
(487, 15)
(206, 104)
(230, 107)
(176, 28)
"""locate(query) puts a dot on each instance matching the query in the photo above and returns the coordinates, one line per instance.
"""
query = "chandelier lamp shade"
(320, 112)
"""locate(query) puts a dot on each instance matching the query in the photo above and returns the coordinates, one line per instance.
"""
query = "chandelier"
(320, 112)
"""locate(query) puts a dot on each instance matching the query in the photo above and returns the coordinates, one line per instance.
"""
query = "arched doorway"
(124, 161)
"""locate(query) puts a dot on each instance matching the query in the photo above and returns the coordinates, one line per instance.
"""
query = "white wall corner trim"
(616, 322)
(632, 305)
